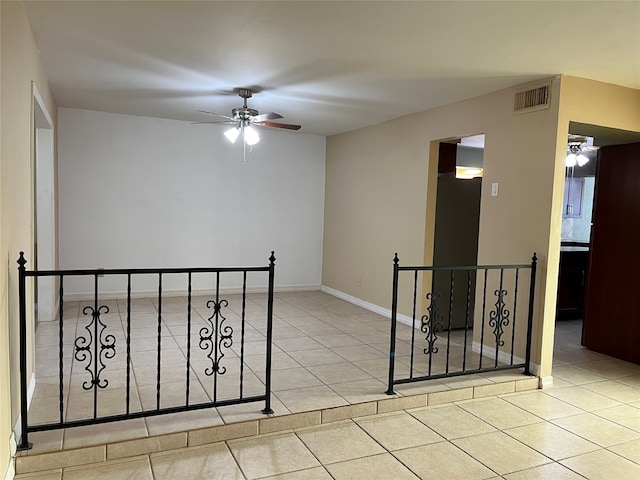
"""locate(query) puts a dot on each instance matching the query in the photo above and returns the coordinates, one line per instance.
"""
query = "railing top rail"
(142, 271)
(461, 267)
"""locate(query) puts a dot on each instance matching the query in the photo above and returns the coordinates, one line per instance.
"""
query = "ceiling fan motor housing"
(245, 117)
(244, 113)
(574, 148)
(245, 93)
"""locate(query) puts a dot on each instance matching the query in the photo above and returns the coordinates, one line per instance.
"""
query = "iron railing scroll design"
(457, 317)
(431, 323)
(94, 345)
(95, 341)
(215, 337)
(499, 319)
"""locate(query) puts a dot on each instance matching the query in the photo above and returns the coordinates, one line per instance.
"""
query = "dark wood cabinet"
(571, 282)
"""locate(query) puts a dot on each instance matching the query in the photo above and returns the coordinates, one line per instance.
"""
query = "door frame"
(605, 136)
(44, 206)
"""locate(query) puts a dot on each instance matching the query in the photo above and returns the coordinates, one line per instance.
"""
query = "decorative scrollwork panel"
(499, 318)
(95, 348)
(431, 323)
(216, 337)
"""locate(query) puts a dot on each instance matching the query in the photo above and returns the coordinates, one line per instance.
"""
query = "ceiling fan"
(244, 119)
(577, 146)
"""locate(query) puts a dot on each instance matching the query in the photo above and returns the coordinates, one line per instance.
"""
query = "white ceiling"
(330, 66)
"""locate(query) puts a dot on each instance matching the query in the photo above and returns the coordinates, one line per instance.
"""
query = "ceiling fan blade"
(288, 126)
(227, 122)
(266, 116)
(216, 114)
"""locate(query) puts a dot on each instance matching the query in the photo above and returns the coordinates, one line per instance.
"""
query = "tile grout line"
(427, 395)
(322, 423)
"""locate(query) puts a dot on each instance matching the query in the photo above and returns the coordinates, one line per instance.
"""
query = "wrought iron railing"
(477, 320)
(98, 335)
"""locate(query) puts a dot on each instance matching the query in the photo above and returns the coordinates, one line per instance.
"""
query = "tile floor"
(326, 353)
(586, 426)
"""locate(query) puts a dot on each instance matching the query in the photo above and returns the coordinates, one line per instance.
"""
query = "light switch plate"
(494, 189)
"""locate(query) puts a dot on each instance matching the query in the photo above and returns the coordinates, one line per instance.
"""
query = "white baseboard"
(31, 389)
(11, 468)
(118, 295)
(296, 288)
(545, 382)
(17, 428)
(534, 368)
(56, 317)
(10, 473)
(490, 351)
(385, 312)
(13, 445)
(503, 357)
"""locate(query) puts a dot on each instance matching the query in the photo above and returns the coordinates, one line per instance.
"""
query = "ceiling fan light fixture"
(245, 119)
(251, 136)
(232, 134)
(468, 173)
(576, 149)
(571, 160)
(581, 159)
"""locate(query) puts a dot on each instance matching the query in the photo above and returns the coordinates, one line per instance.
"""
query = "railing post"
(267, 403)
(392, 341)
(532, 288)
(22, 304)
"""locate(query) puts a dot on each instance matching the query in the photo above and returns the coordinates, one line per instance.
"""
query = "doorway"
(45, 219)
(577, 253)
(457, 218)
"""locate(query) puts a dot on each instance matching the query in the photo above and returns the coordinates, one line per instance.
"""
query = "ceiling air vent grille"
(533, 99)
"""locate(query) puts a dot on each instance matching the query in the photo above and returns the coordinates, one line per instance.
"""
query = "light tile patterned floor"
(326, 353)
(586, 426)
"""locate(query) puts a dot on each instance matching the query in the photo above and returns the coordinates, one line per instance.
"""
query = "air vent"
(532, 99)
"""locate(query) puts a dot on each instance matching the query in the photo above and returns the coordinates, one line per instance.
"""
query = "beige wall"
(375, 186)
(20, 65)
(591, 102)
(378, 201)
(5, 405)
(380, 190)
